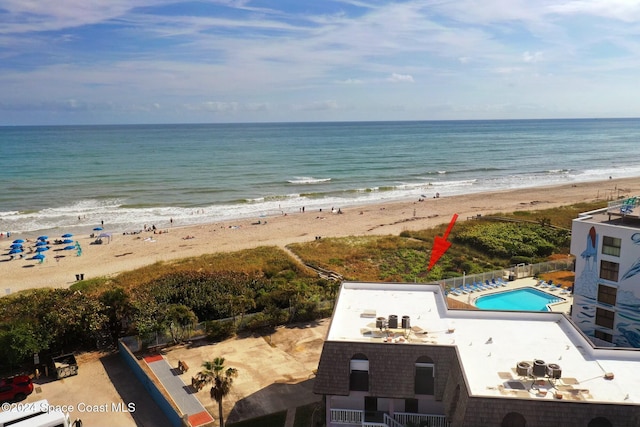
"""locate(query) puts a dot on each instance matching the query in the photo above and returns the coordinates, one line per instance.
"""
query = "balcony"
(352, 417)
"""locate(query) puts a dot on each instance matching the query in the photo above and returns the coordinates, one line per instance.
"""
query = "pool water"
(524, 299)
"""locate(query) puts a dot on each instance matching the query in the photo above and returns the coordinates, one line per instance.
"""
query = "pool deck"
(528, 282)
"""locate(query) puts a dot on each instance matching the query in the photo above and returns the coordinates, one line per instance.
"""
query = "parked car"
(15, 388)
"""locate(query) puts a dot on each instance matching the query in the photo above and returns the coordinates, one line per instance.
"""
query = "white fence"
(514, 272)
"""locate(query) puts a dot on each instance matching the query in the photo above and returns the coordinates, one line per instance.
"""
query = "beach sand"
(127, 252)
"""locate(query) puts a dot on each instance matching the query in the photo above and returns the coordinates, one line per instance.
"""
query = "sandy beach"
(127, 252)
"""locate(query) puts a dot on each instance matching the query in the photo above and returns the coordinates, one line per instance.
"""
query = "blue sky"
(162, 61)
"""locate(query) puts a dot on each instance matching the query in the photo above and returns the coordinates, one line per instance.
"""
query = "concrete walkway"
(180, 393)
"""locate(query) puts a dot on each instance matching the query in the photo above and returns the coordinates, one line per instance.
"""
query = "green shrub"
(219, 330)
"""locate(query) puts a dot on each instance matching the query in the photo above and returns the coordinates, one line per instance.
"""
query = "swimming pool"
(524, 299)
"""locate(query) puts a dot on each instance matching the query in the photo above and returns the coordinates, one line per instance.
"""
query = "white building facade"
(606, 244)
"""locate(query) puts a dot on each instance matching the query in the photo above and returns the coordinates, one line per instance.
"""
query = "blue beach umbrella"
(67, 241)
(42, 249)
(97, 229)
(43, 237)
(18, 241)
(16, 246)
(41, 243)
(67, 235)
(38, 256)
(69, 248)
(15, 251)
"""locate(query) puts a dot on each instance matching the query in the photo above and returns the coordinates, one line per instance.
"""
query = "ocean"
(73, 178)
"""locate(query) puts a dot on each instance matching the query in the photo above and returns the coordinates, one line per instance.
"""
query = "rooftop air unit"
(406, 322)
(393, 321)
(539, 368)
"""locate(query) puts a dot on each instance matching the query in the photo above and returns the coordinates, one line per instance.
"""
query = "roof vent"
(608, 376)
(381, 323)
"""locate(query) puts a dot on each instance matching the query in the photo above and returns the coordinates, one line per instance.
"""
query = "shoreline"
(127, 252)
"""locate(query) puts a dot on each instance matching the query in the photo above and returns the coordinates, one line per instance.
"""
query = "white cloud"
(351, 82)
(621, 10)
(532, 57)
(400, 78)
(317, 106)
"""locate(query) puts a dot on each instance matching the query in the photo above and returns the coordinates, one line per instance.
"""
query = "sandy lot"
(275, 372)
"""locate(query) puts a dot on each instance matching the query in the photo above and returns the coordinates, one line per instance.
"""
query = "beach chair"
(498, 282)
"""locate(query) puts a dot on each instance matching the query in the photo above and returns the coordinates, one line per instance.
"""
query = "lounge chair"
(498, 282)
(478, 286)
(456, 292)
(463, 290)
(544, 284)
(488, 284)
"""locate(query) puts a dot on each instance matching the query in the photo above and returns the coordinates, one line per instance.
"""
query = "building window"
(609, 270)
(513, 419)
(600, 422)
(424, 379)
(611, 246)
(605, 318)
(411, 406)
(607, 294)
(603, 336)
(359, 373)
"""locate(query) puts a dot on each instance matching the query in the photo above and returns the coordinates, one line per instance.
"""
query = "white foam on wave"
(119, 218)
(307, 180)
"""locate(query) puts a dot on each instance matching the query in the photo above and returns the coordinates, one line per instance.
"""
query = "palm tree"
(221, 377)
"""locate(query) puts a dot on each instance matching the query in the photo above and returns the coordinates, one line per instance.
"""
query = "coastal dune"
(129, 251)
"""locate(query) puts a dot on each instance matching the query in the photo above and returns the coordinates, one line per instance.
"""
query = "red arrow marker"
(441, 244)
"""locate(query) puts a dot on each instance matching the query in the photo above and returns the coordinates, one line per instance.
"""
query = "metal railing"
(404, 418)
(399, 419)
(347, 416)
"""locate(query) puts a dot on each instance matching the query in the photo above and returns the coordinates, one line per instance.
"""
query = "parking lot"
(103, 393)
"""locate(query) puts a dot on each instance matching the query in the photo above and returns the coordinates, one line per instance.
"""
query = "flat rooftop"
(491, 344)
(622, 212)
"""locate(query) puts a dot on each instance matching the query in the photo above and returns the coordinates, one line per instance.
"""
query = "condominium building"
(606, 244)
(395, 356)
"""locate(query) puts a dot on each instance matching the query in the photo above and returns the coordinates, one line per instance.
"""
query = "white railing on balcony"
(400, 419)
(390, 422)
(404, 418)
(347, 416)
